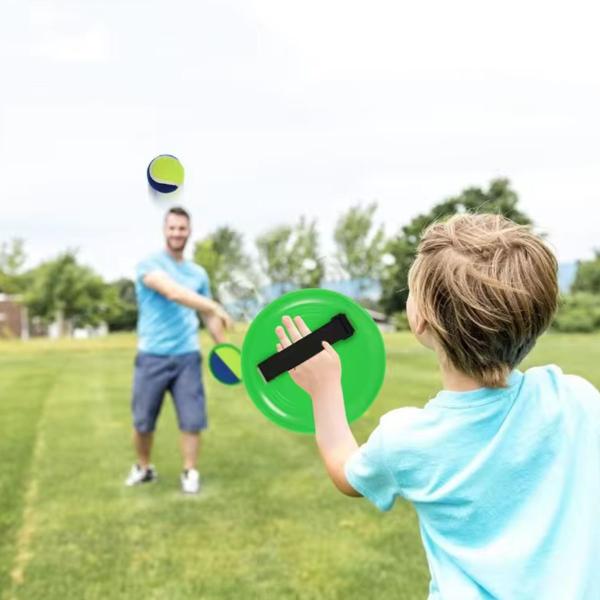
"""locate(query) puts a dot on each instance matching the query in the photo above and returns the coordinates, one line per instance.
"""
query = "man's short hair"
(178, 210)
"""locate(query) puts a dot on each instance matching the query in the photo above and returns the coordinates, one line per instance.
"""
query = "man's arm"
(215, 327)
(170, 289)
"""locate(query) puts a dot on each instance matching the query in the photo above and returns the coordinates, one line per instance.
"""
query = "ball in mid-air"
(165, 174)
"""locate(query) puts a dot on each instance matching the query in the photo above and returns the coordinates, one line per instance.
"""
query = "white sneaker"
(138, 475)
(190, 481)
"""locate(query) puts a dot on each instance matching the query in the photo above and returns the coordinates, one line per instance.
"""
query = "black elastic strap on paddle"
(339, 328)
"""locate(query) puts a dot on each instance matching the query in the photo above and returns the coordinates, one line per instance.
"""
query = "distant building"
(84, 333)
(14, 322)
(62, 327)
(382, 321)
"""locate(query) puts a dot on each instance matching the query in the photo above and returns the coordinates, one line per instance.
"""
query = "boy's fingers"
(282, 337)
(302, 328)
(328, 348)
(292, 330)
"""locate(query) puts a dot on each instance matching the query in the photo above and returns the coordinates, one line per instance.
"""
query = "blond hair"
(487, 288)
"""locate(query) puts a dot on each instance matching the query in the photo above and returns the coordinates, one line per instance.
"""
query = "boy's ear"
(420, 325)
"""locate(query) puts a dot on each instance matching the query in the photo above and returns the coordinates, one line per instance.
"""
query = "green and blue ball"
(165, 174)
(225, 363)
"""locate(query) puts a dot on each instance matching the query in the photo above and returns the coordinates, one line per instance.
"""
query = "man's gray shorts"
(179, 374)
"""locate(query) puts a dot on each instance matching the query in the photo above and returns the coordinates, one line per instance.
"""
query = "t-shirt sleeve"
(397, 458)
(204, 287)
(368, 473)
(146, 266)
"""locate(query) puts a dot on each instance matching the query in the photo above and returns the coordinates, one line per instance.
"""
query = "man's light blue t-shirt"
(165, 327)
(505, 482)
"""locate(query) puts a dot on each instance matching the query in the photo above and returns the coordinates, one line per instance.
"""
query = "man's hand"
(220, 313)
(321, 373)
(216, 323)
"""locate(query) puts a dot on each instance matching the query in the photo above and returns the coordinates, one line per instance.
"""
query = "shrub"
(400, 321)
(578, 313)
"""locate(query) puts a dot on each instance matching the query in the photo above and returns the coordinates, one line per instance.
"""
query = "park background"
(319, 139)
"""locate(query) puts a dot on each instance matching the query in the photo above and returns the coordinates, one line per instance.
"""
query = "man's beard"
(176, 246)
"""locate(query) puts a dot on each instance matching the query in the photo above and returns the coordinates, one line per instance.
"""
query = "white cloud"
(62, 32)
(88, 46)
(281, 109)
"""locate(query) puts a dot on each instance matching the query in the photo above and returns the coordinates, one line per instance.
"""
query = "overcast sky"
(278, 109)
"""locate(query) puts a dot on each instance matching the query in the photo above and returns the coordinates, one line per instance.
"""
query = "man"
(170, 290)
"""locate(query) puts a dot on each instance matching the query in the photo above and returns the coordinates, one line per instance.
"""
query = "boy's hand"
(321, 377)
(319, 374)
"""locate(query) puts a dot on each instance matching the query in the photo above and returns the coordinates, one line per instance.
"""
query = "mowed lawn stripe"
(25, 383)
(77, 543)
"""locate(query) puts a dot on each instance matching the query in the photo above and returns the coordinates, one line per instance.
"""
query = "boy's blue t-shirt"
(165, 327)
(505, 482)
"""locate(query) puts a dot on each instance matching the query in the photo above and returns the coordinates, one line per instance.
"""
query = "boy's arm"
(320, 377)
(335, 440)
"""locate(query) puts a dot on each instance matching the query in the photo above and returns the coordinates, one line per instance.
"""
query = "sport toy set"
(331, 317)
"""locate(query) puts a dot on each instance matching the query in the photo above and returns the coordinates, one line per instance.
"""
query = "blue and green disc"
(362, 356)
(225, 363)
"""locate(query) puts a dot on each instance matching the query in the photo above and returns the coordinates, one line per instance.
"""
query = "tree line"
(289, 257)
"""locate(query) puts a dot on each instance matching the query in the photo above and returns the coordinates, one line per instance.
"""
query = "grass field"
(268, 524)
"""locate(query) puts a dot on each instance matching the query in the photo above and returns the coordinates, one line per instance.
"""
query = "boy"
(502, 467)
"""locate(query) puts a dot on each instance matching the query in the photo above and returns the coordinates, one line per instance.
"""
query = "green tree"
(12, 259)
(206, 256)
(307, 266)
(121, 300)
(274, 256)
(499, 199)
(360, 245)
(289, 255)
(63, 289)
(221, 253)
(587, 278)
